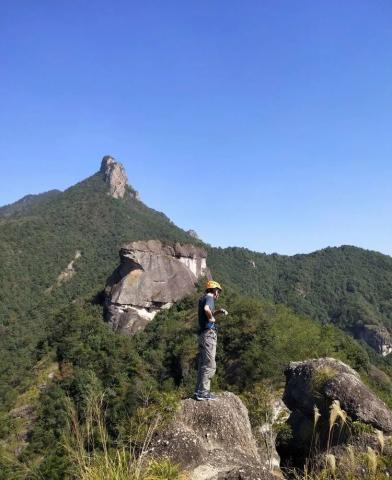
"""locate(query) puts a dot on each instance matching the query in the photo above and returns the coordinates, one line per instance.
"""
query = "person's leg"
(208, 364)
(211, 369)
(200, 365)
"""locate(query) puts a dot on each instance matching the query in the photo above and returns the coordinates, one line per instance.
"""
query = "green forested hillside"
(149, 373)
(347, 286)
(57, 329)
(36, 245)
(27, 202)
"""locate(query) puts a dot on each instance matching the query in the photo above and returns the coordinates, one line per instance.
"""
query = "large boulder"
(212, 440)
(318, 382)
(151, 277)
(325, 397)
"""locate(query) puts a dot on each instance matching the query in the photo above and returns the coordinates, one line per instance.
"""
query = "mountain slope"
(85, 225)
(142, 376)
(347, 286)
(25, 203)
(38, 243)
(55, 257)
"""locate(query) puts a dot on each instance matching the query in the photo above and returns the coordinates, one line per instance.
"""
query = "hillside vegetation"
(147, 374)
(347, 286)
(38, 243)
(55, 347)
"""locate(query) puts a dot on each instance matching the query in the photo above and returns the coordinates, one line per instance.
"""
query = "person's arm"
(209, 313)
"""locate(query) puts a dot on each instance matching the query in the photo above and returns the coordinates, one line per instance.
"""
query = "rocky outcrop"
(320, 381)
(212, 440)
(151, 277)
(319, 390)
(115, 176)
(24, 417)
(336, 422)
(376, 337)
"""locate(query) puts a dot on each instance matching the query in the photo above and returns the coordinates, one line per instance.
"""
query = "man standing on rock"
(207, 340)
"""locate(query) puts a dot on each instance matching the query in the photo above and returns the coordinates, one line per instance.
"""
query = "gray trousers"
(207, 365)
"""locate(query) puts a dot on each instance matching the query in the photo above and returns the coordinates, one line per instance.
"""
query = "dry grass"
(372, 460)
(354, 462)
(335, 413)
(381, 440)
(88, 446)
(330, 464)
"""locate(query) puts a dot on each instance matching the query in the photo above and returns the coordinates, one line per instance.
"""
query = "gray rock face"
(377, 337)
(151, 277)
(115, 176)
(320, 381)
(267, 434)
(329, 385)
(212, 440)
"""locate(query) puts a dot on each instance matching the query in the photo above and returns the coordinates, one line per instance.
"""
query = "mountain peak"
(115, 176)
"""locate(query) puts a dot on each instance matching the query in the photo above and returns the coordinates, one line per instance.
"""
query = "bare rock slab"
(212, 440)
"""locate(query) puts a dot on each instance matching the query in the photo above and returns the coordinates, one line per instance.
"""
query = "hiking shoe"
(200, 396)
(210, 396)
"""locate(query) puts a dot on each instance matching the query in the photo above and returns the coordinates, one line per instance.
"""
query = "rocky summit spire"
(115, 176)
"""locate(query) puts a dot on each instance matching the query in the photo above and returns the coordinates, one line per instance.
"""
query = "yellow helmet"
(212, 284)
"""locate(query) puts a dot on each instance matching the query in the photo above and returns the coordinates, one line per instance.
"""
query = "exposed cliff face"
(115, 176)
(151, 277)
(377, 337)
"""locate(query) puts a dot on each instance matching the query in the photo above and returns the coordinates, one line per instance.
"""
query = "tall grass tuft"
(351, 456)
(330, 463)
(372, 461)
(316, 417)
(335, 412)
(94, 459)
(381, 440)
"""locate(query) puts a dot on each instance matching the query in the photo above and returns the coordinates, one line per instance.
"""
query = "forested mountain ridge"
(27, 202)
(348, 286)
(36, 245)
(55, 345)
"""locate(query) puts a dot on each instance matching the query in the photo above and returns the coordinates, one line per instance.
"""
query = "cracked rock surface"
(151, 277)
(323, 380)
(212, 440)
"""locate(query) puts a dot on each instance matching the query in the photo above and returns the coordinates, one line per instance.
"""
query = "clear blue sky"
(265, 124)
